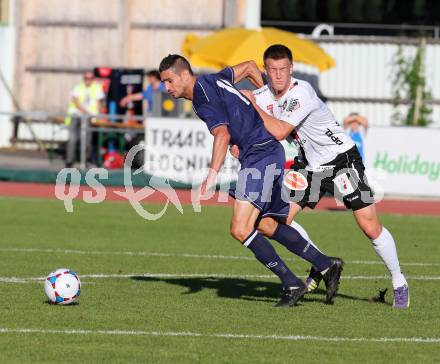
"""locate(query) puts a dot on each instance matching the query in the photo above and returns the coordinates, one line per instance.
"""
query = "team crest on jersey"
(293, 105)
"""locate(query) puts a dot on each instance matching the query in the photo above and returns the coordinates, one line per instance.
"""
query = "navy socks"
(293, 241)
(266, 254)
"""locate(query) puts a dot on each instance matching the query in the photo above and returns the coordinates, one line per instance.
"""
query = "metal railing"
(113, 124)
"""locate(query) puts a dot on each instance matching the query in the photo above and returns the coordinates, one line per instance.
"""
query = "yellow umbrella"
(228, 47)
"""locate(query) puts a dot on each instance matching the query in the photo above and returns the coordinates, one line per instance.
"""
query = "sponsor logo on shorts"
(320, 168)
(350, 199)
(294, 180)
(343, 184)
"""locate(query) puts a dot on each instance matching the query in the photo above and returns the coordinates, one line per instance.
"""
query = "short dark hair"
(175, 61)
(277, 51)
(154, 73)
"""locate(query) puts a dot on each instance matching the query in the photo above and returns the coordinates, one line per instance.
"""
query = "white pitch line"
(201, 275)
(16, 280)
(409, 264)
(183, 255)
(127, 253)
(418, 340)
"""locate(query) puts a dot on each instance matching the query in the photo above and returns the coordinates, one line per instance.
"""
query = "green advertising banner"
(407, 159)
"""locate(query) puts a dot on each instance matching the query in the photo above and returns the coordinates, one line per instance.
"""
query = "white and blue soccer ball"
(62, 286)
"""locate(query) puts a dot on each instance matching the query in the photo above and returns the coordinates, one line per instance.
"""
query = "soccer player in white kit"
(328, 159)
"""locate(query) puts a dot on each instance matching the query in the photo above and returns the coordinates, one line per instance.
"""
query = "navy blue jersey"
(217, 102)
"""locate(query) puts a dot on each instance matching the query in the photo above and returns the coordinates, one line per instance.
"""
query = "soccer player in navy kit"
(231, 118)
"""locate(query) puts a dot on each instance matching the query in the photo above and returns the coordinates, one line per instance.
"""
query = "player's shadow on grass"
(313, 297)
(225, 287)
(240, 288)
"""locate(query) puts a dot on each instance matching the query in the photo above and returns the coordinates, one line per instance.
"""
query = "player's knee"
(240, 232)
(373, 232)
(267, 227)
(371, 228)
(368, 221)
(262, 229)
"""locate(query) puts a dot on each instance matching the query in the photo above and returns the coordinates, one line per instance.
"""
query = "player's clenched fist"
(235, 152)
(209, 183)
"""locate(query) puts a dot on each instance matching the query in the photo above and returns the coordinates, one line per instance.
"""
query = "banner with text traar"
(406, 158)
(180, 150)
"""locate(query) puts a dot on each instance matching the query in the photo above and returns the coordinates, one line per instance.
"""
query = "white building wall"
(365, 70)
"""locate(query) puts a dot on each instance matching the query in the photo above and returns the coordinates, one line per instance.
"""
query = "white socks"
(385, 248)
(303, 233)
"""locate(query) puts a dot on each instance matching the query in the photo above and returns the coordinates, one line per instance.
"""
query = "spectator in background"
(86, 100)
(154, 84)
(356, 127)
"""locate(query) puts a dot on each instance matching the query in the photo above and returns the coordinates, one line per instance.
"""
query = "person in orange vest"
(87, 100)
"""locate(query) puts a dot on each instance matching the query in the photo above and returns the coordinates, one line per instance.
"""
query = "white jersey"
(316, 131)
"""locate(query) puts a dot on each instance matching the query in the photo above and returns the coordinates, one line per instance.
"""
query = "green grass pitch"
(205, 299)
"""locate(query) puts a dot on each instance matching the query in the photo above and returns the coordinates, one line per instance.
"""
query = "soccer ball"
(62, 286)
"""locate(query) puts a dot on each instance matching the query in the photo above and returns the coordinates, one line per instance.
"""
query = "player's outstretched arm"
(249, 70)
(278, 128)
(219, 150)
(219, 147)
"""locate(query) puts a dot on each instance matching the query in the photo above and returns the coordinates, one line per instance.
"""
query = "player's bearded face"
(279, 73)
(173, 82)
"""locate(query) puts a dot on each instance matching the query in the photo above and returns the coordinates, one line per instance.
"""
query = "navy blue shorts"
(260, 181)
